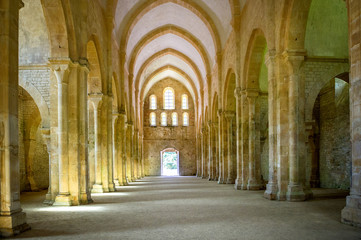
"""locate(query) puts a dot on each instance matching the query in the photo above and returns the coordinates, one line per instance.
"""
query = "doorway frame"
(161, 159)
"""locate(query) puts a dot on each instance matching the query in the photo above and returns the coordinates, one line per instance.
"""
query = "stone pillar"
(115, 134)
(244, 141)
(210, 151)
(238, 96)
(296, 127)
(83, 127)
(205, 154)
(199, 154)
(221, 137)
(202, 151)
(142, 154)
(45, 132)
(271, 188)
(123, 153)
(136, 154)
(215, 151)
(61, 70)
(129, 130)
(229, 116)
(109, 142)
(351, 214)
(253, 179)
(12, 218)
(96, 99)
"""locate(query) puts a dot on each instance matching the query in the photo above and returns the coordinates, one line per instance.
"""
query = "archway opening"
(330, 140)
(170, 162)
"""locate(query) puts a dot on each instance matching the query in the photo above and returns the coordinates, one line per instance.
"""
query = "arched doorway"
(169, 162)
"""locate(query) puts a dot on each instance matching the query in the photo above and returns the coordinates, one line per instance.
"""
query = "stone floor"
(186, 208)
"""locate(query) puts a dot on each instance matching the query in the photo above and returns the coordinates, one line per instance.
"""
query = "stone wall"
(182, 138)
(333, 127)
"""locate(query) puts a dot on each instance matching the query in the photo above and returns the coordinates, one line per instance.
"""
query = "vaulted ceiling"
(171, 39)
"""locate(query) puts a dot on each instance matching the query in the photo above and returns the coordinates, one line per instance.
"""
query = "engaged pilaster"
(96, 100)
(61, 69)
(229, 116)
(253, 180)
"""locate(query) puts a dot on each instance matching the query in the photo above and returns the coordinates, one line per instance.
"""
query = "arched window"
(184, 101)
(185, 119)
(153, 119)
(153, 102)
(174, 119)
(168, 98)
(163, 117)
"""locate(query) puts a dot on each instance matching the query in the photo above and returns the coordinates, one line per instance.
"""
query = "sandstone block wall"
(180, 137)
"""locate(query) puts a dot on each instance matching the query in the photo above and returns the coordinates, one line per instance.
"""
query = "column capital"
(219, 112)
(252, 93)
(229, 115)
(238, 92)
(294, 59)
(61, 68)
(95, 99)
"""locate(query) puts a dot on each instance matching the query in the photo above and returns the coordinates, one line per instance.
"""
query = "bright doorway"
(169, 162)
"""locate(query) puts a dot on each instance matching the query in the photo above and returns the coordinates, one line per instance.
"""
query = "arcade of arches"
(264, 95)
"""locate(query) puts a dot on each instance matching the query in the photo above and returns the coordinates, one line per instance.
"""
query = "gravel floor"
(186, 208)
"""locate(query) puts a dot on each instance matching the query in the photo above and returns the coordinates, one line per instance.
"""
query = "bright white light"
(109, 194)
(71, 209)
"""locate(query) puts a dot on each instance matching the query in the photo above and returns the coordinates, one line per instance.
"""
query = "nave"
(187, 208)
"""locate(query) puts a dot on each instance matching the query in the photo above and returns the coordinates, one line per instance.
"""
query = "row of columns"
(287, 135)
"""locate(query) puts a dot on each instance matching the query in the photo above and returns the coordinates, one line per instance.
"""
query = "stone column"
(129, 145)
(204, 154)
(136, 154)
(123, 154)
(215, 151)
(229, 116)
(96, 99)
(238, 95)
(45, 132)
(210, 151)
(222, 173)
(109, 142)
(83, 127)
(244, 141)
(12, 218)
(296, 127)
(271, 188)
(115, 134)
(61, 70)
(199, 155)
(142, 153)
(351, 214)
(253, 179)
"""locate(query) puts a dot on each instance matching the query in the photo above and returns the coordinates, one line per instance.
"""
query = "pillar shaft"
(253, 180)
(351, 214)
(12, 219)
(96, 100)
(229, 116)
(271, 188)
(210, 152)
(238, 95)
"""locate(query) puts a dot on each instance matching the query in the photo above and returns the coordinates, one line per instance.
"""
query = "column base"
(13, 224)
(62, 200)
(253, 185)
(116, 183)
(238, 184)
(295, 193)
(351, 214)
(220, 180)
(271, 191)
(111, 187)
(97, 188)
(48, 199)
(125, 183)
(85, 199)
(230, 181)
